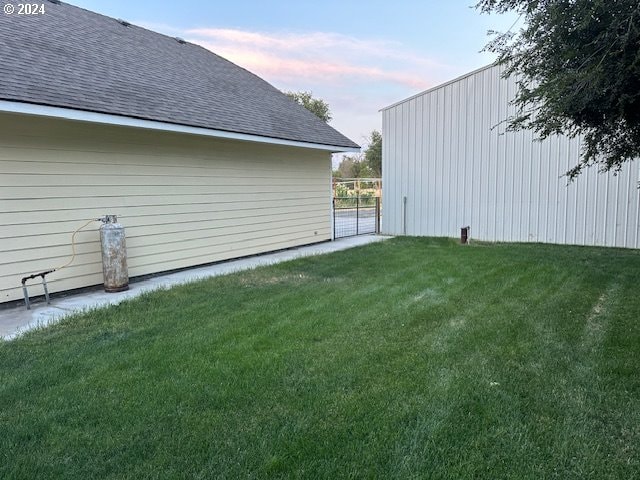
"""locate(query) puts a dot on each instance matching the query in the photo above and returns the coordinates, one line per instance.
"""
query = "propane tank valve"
(108, 219)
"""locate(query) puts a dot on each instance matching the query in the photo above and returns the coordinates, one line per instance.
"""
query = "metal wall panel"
(448, 153)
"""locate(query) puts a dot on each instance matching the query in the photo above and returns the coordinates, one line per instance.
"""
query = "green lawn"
(411, 358)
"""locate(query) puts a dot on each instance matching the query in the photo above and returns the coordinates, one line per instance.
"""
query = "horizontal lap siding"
(184, 200)
(448, 153)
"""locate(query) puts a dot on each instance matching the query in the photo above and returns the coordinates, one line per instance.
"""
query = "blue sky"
(359, 56)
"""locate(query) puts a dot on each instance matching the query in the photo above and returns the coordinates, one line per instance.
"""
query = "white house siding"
(184, 200)
(447, 152)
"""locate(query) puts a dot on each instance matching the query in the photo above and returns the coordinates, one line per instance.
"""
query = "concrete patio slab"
(16, 321)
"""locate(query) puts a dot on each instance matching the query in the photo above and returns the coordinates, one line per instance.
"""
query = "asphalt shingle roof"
(71, 57)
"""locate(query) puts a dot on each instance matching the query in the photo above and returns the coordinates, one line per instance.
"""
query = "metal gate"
(355, 216)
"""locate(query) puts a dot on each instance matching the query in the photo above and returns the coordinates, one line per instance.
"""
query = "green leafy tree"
(354, 166)
(318, 107)
(373, 153)
(361, 168)
(578, 68)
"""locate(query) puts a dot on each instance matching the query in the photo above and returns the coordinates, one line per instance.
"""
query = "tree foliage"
(363, 165)
(577, 64)
(373, 153)
(318, 107)
(353, 166)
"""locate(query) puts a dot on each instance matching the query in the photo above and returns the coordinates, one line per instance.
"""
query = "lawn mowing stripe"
(330, 366)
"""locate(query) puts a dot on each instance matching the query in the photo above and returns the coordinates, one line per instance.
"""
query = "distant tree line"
(363, 165)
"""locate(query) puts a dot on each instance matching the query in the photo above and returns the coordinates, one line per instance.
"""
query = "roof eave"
(439, 86)
(9, 106)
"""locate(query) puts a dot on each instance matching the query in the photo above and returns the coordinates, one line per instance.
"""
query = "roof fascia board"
(119, 120)
(442, 85)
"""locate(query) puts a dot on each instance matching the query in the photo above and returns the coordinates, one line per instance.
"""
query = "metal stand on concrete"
(44, 286)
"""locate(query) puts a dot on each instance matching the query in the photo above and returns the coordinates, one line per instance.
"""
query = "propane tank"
(114, 255)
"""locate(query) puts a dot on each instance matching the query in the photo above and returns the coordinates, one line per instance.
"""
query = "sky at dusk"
(358, 56)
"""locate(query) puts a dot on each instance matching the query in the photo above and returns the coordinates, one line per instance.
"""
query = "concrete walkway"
(15, 321)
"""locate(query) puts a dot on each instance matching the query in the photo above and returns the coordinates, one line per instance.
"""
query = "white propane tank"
(114, 255)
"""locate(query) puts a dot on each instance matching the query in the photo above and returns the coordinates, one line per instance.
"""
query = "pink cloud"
(330, 56)
(355, 76)
(288, 41)
(275, 67)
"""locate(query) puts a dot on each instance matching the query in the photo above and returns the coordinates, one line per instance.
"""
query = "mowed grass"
(411, 358)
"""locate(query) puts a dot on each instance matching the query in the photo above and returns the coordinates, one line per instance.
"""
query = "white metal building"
(448, 163)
